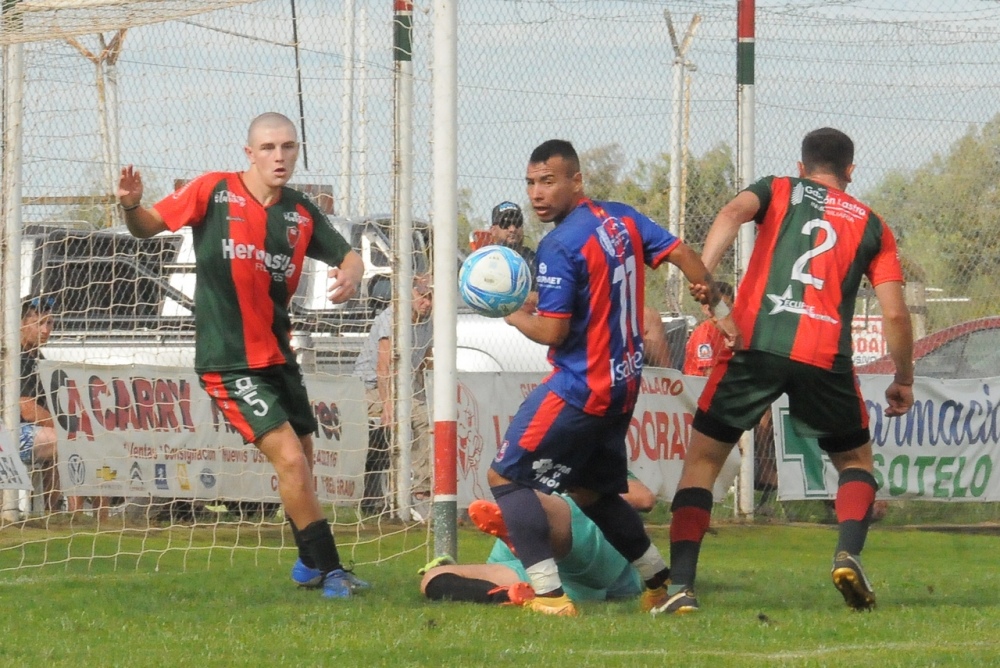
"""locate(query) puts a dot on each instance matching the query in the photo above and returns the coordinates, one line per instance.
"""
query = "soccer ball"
(494, 281)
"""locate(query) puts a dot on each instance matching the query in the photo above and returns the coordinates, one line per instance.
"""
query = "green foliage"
(945, 215)
(710, 180)
(765, 594)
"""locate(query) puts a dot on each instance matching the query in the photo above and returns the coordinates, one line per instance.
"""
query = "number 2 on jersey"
(799, 272)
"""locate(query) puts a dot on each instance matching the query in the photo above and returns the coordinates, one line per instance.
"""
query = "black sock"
(659, 579)
(318, 539)
(304, 555)
(452, 587)
(527, 524)
(620, 524)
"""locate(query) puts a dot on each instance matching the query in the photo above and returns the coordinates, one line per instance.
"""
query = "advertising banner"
(153, 431)
(656, 442)
(945, 449)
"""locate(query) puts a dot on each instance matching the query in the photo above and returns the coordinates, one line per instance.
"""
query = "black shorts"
(822, 404)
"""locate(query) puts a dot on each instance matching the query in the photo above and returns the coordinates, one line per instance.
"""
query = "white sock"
(544, 576)
(650, 563)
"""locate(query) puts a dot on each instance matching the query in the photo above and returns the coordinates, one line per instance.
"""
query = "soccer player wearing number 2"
(251, 234)
(569, 434)
(793, 310)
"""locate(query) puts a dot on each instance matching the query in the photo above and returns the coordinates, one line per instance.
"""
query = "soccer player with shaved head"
(251, 235)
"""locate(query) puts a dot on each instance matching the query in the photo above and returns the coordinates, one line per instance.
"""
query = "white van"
(122, 300)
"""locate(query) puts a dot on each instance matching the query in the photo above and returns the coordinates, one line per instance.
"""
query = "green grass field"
(765, 593)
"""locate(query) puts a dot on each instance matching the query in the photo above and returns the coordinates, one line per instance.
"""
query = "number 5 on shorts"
(249, 393)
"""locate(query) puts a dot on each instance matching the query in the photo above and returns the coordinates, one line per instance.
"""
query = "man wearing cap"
(508, 230)
(38, 434)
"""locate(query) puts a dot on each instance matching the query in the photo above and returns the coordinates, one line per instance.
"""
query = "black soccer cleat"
(849, 578)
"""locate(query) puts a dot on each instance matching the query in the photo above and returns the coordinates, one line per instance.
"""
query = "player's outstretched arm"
(141, 222)
(726, 226)
(898, 332)
(685, 259)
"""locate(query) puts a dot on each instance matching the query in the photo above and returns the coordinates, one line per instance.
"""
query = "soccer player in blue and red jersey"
(251, 234)
(793, 310)
(569, 434)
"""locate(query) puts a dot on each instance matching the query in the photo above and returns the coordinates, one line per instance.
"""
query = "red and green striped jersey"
(248, 261)
(814, 244)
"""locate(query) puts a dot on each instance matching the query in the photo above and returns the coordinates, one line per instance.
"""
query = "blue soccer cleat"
(337, 585)
(303, 576)
(357, 584)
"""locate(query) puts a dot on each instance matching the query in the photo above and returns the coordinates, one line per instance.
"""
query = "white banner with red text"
(153, 431)
(945, 448)
(656, 442)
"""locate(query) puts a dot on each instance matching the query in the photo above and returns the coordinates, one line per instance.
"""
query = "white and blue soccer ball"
(494, 281)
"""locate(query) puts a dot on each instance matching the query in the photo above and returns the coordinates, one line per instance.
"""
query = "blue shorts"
(552, 446)
(592, 571)
(27, 446)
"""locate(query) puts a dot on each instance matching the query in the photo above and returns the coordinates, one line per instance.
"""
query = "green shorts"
(256, 401)
(822, 403)
(592, 571)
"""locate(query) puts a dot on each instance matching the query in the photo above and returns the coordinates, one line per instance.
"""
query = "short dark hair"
(827, 150)
(553, 148)
(725, 289)
(36, 305)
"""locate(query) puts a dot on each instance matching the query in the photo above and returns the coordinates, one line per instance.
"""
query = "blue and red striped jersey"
(591, 269)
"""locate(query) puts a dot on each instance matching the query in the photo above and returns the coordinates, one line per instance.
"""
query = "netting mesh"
(911, 85)
(26, 21)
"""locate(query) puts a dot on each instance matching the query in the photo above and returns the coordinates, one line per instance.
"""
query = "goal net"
(171, 86)
(144, 462)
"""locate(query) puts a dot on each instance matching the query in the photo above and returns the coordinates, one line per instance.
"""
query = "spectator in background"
(38, 434)
(374, 368)
(507, 229)
(707, 342)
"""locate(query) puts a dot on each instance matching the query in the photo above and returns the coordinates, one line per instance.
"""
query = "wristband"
(131, 208)
(720, 310)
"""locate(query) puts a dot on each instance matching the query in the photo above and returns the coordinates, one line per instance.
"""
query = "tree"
(945, 214)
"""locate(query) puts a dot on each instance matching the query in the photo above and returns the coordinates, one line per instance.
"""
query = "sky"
(904, 82)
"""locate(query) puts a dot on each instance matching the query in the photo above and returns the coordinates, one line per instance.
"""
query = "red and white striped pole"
(445, 219)
(745, 19)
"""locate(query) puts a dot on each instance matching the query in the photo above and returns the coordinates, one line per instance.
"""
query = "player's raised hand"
(129, 187)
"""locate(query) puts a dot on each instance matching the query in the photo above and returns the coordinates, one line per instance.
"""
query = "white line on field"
(820, 651)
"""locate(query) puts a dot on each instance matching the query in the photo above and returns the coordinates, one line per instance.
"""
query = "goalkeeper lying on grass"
(591, 570)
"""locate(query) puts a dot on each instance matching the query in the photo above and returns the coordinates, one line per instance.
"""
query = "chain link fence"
(912, 85)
